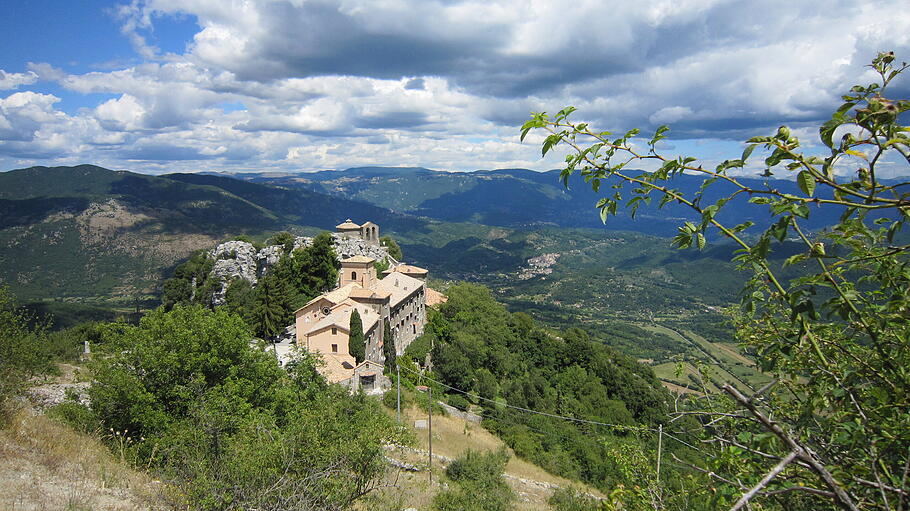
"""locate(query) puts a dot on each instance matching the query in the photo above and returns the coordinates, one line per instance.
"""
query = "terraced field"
(704, 366)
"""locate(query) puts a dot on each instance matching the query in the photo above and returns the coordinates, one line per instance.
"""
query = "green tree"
(240, 299)
(356, 347)
(273, 309)
(225, 425)
(321, 263)
(188, 277)
(388, 347)
(833, 428)
(285, 239)
(392, 246)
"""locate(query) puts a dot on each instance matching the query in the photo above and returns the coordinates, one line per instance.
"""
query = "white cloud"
(670, 114)
(14, 80)
(294, 84)
(121, 114)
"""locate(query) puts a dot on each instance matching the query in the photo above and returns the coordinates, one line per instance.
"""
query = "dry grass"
(451, 438)
(45, 465)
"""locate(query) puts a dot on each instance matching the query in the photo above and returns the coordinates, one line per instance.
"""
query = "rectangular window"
(334, 331)
(334, 348)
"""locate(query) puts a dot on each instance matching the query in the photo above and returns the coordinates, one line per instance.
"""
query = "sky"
(161, 86)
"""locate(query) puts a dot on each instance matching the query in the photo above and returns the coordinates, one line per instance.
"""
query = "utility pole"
(398, 390)
(660, 437)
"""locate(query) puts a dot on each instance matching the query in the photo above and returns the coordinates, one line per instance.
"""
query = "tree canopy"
(220, 419)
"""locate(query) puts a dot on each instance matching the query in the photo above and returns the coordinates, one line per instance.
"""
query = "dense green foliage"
(186, 394)
(482, 349)
(392, 246)
(833, 428)
(272, 306)
(23, 351)
(570, 499)
(188, 276)
(478, 484)
(356, 346)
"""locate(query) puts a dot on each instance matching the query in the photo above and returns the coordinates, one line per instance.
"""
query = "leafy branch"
(836, 335)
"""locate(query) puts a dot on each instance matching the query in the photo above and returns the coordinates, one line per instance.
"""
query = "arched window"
(353, 275)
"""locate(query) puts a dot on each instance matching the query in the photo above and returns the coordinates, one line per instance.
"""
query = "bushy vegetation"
(570, 499)
(298, 276)
(500, 358)
(478, 484)
(24, 352)
(392, 246)
(185, 394)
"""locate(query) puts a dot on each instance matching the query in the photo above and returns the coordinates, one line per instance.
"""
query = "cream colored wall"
(313, 313)
(321, 342)
(366, 274)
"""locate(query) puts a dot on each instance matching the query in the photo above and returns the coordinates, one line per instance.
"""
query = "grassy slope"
(47, 465)
(451, 438)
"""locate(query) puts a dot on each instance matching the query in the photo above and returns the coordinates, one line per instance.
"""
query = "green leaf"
(806, 182)
(747, 152)
(743, 226)
(549, 143)
(700, 240)
(779, 230)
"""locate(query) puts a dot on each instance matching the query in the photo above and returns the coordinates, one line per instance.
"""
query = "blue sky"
(296, 85)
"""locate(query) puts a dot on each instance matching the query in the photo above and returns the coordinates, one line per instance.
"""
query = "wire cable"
(553, 415)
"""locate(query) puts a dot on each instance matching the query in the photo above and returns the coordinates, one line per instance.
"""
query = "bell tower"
(358, 270)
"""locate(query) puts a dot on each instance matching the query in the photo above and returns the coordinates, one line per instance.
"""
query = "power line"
(528, 410)
(553, 415)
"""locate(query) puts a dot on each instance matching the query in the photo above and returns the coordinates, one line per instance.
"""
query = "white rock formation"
(239, 259)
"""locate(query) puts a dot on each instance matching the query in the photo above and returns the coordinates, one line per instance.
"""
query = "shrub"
(571, 499)
(458, 401)
(76, 415)
(478, 483)
(226, 424)
(24, 352)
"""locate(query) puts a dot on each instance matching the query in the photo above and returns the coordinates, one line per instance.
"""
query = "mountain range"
(89, 234)
(521, 198)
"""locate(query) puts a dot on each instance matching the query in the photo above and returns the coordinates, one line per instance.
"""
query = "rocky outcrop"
(241, 260)
(236, 259)
(347, 247)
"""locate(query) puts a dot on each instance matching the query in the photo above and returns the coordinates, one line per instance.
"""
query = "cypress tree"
(355, 340)
(388, 347)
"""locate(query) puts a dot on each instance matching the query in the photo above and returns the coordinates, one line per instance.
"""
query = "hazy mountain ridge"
(524, 198)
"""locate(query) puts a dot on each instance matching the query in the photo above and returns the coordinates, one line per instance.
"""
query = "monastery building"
(399, 298)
